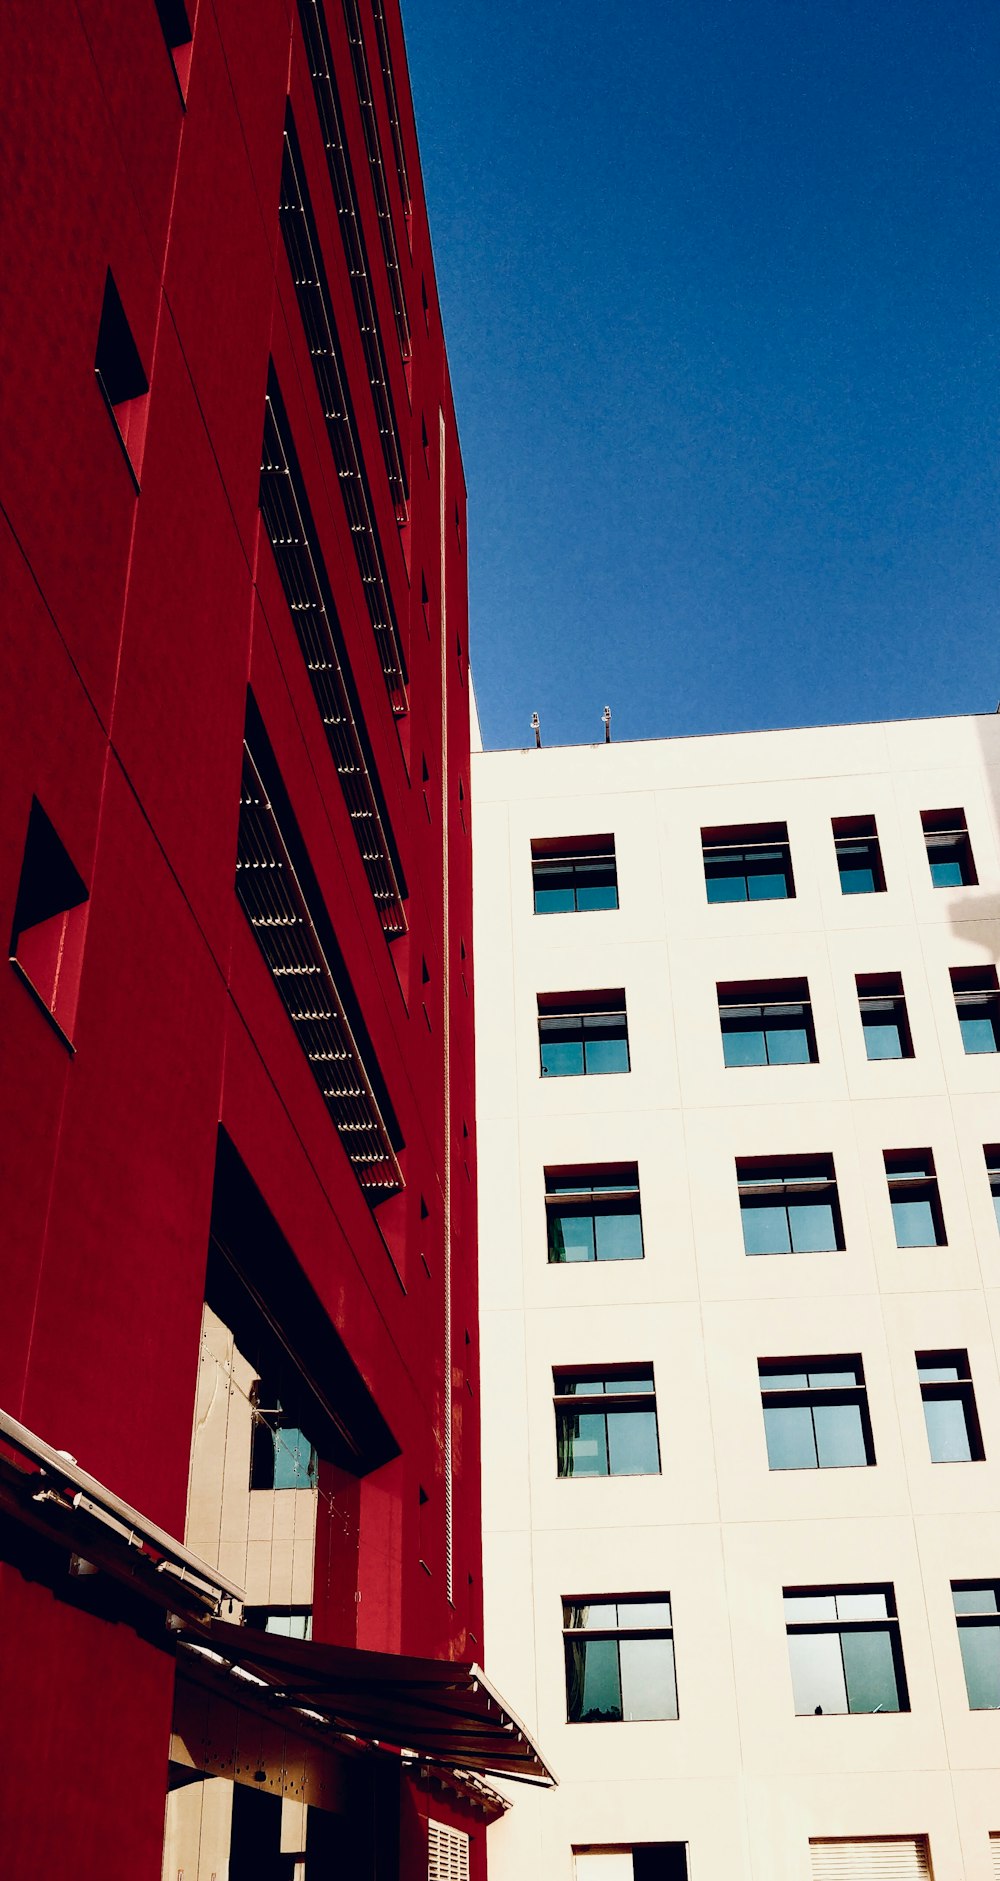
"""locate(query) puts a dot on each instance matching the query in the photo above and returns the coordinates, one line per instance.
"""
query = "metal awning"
(442, 1712)
(58, 1489)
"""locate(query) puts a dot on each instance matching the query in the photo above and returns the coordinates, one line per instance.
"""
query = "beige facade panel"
(761, 1493)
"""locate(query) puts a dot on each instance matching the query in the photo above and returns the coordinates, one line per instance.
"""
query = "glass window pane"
(647, 1672)
(722, 887)
(765, 1230)
(914, 1223)
(632, 1443)
(789, 1432)
(802, 1607)
(783, 1381)
(946, 871)
(606, 1054)
(861, 1606)
(981, 1659)
(636, 1613)
(619, 1237)
(947, 1430)
(294, 1460)
(832, 1380)
(598, 1615)
(562, 1060)
(582, 1444)
(592, 1681)
(812, 1226)
(882, 1039)
(870, 1671)
(978, 1033)
(788, 1045)
(553, 900)
(592, 896)
(840, 1437)
(741, 1047)
(571, 1237)
(857, 878)
(930, 1374)
(817, 1673)
(975, 1599)
(768, 887)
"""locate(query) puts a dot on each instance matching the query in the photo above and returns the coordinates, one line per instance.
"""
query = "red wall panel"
(133, 624)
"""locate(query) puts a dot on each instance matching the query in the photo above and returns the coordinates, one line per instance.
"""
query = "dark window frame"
(576, 1635)
(569, 865)
(991, 1155)
(817, 1396)
(611, 1193)
(887, 1624)
(958, 1390)
(907, 1183)
(856, 844)
(776, 1004)
(583, 1018)
(970, 1621)
(614, 1399)
(735, 852)
(789, 1182)
(976, 992)
(884, 994)
(946, 838)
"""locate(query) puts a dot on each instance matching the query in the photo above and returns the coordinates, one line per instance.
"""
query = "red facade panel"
(142, 601)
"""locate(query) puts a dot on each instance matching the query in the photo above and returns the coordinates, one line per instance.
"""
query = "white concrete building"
(742, 1463)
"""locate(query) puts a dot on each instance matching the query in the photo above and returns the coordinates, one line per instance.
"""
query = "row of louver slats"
(447, 1853)
(879, 1858)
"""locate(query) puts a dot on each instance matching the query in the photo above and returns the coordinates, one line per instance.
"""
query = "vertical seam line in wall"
(719, 1526)
(449, 1487)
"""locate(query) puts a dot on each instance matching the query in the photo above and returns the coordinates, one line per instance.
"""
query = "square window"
(619, 1659)
(914, 1199)
(582, 1034)
(606, 1422)
(859, 857)
(815, 1413)
(593, 1214)
(574, 875)
(844, 1650)
(884, 1020)
(949, 1401)
(789, 1206)
(977, 1004)
(766, 1022)
(949, 851)
(748, 862)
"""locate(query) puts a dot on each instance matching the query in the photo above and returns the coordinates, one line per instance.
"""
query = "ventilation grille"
(315, 307)
(447, 1853)
(373, 145)
(391, 101)
(278, 912)
(306, 587)
(345, 196)
(995, 1854)
(882, 1858)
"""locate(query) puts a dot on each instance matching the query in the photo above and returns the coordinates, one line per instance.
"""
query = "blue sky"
(721, 289)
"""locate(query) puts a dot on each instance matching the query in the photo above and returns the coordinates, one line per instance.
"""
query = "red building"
(239, 1133)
